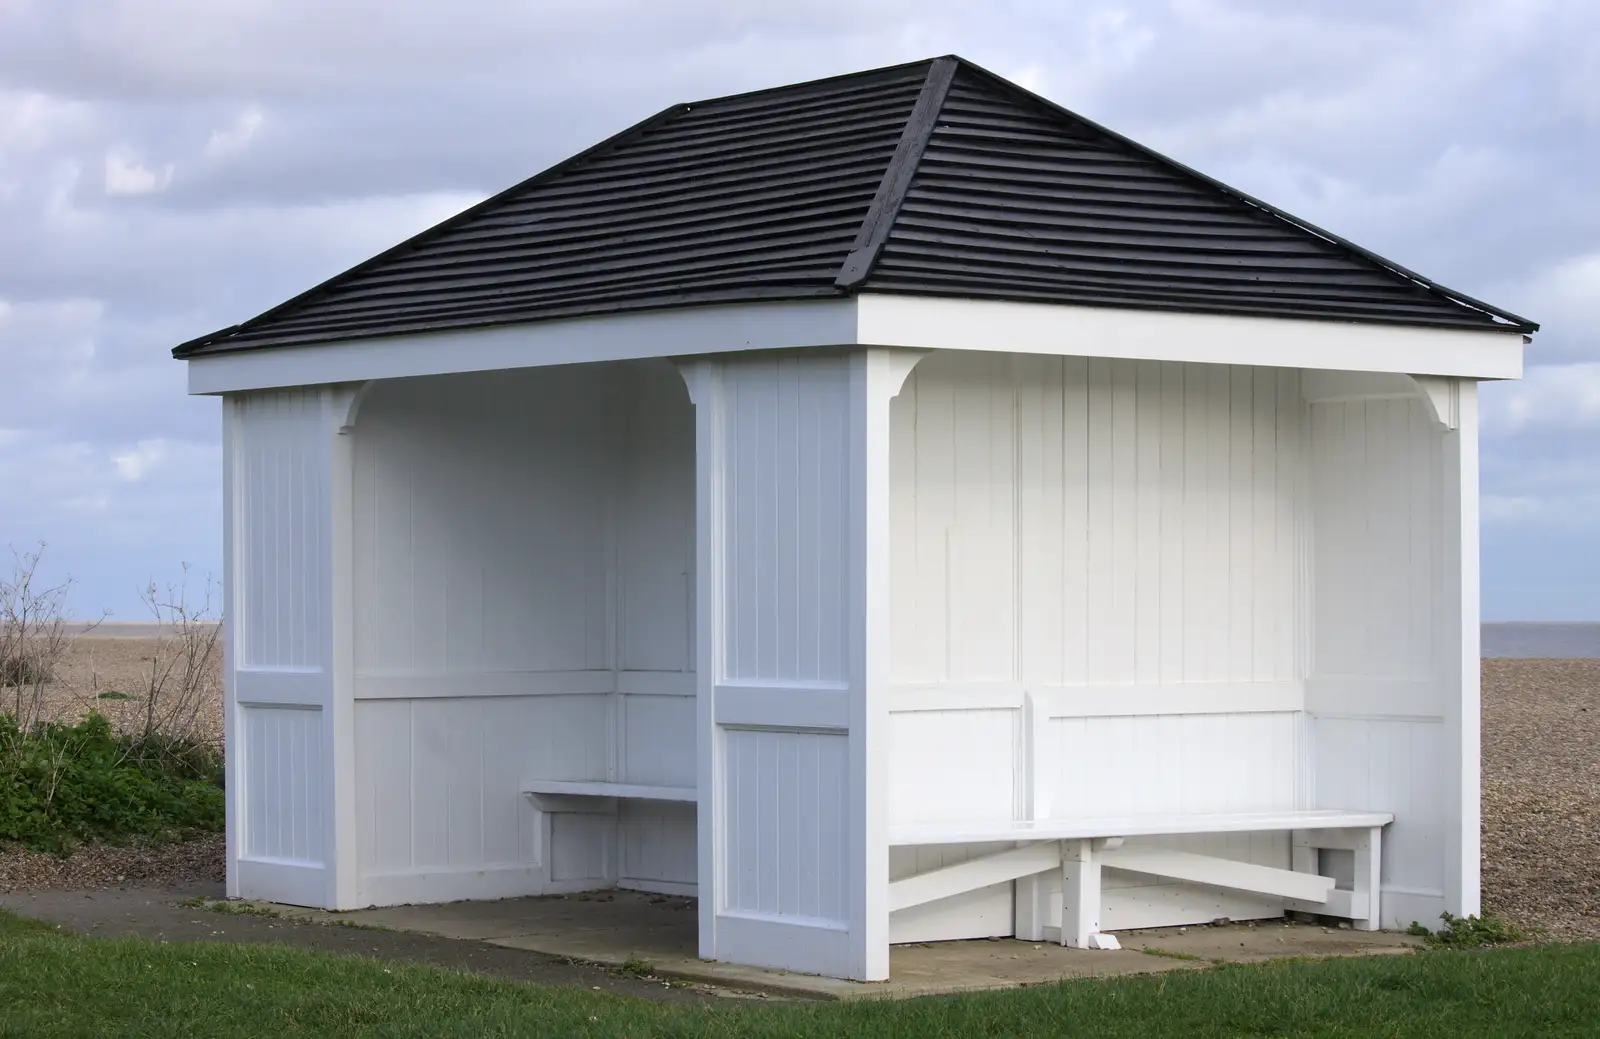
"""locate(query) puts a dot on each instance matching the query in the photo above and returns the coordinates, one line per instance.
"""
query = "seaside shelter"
(889, 508)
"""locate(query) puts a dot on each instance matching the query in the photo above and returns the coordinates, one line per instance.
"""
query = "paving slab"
(185, 914)
(1261, 940)
(621, 927)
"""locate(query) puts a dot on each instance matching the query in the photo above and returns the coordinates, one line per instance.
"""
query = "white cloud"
(1511, 508)
(134, 464)
(126, 175)
(1456, 138)
(1564, 298)
(233, 140)
(1552, 397)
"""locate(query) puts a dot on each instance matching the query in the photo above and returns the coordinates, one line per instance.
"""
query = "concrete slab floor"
(615, 927)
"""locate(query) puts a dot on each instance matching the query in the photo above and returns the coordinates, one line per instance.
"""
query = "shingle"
(935, 178)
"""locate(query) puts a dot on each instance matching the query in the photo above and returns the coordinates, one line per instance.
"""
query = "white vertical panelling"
(658, 740)
(792, 584)
(1145, 510)
(783, 498)
(281, 479)
(582, 847)
(656, 523)
(1153, 764)
(439, 781)
(480, 515)
(289, 676)
(949, 766)
(786, 818)
(954, 765)
(285, 776)
(1381, 676)
(658, 845)
(1074, 521)
(510, 529)
(1376, 486)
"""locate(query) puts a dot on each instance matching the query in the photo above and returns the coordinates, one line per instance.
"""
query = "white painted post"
(876, 377)
(231, 734)
(793, 691)
(1303, 857)
(1080, 893)
(704, 381)
(288, 574)
(1367, 887)
(340, 404)
(1460, 656)
(1031, 895)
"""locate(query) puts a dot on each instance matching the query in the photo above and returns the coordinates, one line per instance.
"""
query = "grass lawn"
(56, 984)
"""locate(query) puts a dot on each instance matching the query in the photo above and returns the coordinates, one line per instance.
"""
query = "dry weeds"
(96, 672)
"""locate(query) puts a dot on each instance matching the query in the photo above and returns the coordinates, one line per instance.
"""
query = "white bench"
(559, 795)
(1080, 847)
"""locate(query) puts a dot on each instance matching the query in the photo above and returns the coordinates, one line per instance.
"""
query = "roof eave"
(1515, 322)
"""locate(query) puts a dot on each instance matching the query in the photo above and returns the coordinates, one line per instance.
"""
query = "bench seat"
(989, 831)
(1081, 847)
(598, 796)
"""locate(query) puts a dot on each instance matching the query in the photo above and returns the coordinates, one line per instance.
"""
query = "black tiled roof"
(935, 178)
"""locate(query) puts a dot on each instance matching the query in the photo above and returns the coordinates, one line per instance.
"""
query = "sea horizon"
(1500, 640)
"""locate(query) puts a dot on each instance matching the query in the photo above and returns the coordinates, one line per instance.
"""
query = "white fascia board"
(1045, 328)
(872, 319)
(721, 328)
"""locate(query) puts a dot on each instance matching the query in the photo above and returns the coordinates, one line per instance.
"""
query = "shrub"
(1469, 932)
(62, 783)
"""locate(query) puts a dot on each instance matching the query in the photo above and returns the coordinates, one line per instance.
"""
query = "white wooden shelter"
(890, 508)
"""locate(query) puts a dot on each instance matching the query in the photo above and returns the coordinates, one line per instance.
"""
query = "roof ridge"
(836, 77)
(1432, 287)
(897, 176)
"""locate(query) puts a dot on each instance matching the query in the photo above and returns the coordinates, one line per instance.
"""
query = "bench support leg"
(1369, 866)
(1032, 907)
(1080, 893)
(1360, 904)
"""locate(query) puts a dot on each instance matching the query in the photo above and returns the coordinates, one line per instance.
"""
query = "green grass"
(53, 984)
(1170, 954)
(228, 907)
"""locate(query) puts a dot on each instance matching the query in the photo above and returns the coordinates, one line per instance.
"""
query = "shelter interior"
(1116, 588)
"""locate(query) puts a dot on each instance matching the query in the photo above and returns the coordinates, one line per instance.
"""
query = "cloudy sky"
(168, 167)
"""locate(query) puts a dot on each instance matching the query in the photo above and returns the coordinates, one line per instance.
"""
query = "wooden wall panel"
(439, 781)
(1381, 669)
(657, 740)
(658, 846)
(521, 538)
(655, 522)
(786, 814)
(286, 802)
(1133, 527)
(1063, 521)
(783, 495)
(482, 517)
(281, 477)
